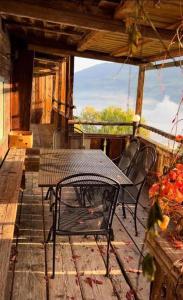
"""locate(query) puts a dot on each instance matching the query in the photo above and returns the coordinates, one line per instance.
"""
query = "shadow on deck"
(80, 262)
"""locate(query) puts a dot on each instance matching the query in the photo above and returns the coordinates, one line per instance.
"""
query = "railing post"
(105, 145)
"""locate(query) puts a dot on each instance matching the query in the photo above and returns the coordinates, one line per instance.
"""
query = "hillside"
(108, 84)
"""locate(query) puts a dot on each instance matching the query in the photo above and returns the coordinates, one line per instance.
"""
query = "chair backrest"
(99, 196)
(144, 162)
(128, 155)
(63, 139)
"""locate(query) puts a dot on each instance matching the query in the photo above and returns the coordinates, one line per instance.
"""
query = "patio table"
(56, 164)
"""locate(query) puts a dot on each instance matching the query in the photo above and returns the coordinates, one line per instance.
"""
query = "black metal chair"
(138, 172)
(93, 215)
(127, 157)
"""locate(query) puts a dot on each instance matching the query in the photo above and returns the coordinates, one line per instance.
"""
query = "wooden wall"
(42, 94)
(22, 73)
(52, 96)
(5, 66)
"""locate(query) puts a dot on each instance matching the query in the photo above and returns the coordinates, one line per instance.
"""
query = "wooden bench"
(10, 182)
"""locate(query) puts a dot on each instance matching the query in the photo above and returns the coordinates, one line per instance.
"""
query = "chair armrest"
(116, 159)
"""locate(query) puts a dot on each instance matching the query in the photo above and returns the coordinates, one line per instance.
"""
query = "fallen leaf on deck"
(130, 295)
(76, 257)
(97, 281)
(101, 249)
(90, 281)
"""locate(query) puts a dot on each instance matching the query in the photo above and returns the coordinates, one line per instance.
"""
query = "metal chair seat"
(79, 220)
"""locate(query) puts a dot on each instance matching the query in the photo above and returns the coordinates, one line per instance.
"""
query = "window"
(1, 110)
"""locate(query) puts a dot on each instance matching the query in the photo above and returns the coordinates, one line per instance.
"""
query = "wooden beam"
(89, 39)
(87, 54)
(164, 65)
(165, 55)
(74, 18)
(140, 90)
(125, 9)
(14, 25)
(43, 74)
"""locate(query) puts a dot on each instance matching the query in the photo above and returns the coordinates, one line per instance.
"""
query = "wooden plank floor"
(80, 262)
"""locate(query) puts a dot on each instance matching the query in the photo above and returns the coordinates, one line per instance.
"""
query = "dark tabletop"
(56, 164)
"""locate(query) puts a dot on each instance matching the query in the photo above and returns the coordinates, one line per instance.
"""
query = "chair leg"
(123, 210)
(112, 234)
(54, 252)
(47, 194)
(135, 220)
(50, 235)
(108, 245)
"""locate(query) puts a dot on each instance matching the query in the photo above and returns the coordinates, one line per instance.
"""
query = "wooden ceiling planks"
(163, 13)
(94, 28)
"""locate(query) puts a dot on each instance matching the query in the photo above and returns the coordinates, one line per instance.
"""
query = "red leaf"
(97, 281)
(130, 295)
(101, 249)
(75, 257)
(89, 281)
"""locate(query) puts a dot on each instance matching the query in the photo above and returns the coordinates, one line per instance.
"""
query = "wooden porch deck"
(80, 262)
(80, 267)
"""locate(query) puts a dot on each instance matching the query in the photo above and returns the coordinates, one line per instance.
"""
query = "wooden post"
(140, 90)
(21, 89)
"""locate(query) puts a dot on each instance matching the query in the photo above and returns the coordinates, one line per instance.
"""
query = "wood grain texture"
(11, 176)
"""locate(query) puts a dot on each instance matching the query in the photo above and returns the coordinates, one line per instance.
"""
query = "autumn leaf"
(76, 257)
(130, 295)
(154, 216)
(89, 281)
(164, 224)
(97, 281)
(148, 267)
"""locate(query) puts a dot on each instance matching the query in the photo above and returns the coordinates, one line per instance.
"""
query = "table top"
(56, 164)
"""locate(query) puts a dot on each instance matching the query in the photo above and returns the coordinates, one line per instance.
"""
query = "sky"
(84, 63)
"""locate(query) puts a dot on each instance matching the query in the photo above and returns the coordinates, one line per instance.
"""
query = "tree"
(109, 114)
(89, 114)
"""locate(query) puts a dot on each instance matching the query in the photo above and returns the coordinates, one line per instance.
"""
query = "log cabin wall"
(42, 94)
(5, 66)
(52, 95)
(22, 74)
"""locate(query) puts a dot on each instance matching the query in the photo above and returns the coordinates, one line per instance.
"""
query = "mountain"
(115, 84)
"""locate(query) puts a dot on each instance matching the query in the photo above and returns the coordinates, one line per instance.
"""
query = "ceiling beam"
(89, 39)
(15, 25)
(165, 55)
(176, 63)
(74, 18)
(86, 54)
